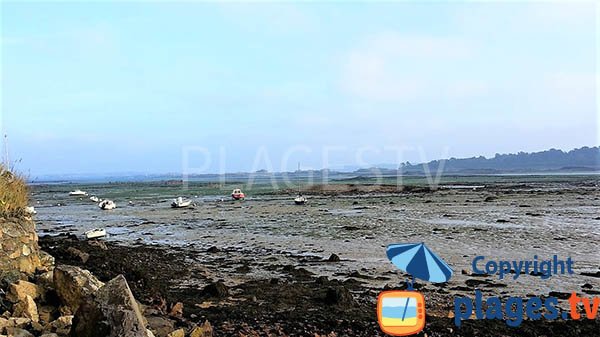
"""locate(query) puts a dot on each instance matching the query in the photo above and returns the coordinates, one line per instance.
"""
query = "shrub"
(14, 194)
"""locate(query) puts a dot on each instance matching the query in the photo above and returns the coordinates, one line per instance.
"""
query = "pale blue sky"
(114, 87)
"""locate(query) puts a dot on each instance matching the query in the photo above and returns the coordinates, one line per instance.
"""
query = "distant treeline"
(580, 160)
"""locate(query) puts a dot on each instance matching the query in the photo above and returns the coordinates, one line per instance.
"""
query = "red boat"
(237, 194)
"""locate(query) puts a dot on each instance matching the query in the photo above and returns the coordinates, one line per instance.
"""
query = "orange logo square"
(401, 313)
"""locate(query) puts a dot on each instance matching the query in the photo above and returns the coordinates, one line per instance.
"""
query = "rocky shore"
(97, 288)
(265, 267)
(176, 294)
(41, 298)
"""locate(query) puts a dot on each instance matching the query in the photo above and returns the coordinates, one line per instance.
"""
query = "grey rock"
(111, 312)
(160, 326)
(73, 284)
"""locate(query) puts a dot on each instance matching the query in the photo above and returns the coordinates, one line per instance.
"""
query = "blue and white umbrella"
(417, 260)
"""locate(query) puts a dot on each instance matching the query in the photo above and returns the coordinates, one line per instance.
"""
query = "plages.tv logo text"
(515, 308)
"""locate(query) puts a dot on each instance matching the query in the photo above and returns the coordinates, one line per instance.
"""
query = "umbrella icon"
(402, 313)
(419, 261)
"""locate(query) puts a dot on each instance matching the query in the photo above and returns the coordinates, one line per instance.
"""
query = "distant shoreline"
(292, 177)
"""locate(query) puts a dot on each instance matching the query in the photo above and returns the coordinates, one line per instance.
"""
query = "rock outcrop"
(19, 251)
(74, 284)
(112, 311)
(38, 298)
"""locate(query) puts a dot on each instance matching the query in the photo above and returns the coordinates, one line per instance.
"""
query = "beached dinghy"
(107, 204)
(180, 203)
(95, 233)
(77, 193)
(300, 200)
(237, 194)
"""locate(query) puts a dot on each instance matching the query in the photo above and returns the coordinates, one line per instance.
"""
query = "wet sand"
(273, 255)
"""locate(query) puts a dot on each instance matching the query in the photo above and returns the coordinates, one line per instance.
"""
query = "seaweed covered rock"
(216, 289)
(339, 296)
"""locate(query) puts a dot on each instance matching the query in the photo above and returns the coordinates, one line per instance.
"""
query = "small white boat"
(237, 194)
(107, 204)
(30, 210)
(77, 193)
(95, 233)
(94, 198)
(180, 203)
(300, 200)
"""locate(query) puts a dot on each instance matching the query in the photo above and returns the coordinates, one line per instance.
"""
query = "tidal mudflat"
(266, 266)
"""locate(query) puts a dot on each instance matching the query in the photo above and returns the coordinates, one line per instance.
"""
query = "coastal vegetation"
(14, 194)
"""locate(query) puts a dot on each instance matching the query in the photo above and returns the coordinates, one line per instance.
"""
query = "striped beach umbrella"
(419, 261)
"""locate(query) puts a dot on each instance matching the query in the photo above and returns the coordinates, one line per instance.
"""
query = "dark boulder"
(333, 258)
(217, 289)
(339, 296)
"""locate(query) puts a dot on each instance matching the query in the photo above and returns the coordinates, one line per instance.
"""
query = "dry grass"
(14, 194)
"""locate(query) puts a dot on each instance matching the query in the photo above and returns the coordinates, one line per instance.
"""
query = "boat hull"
(77, 194)
(300, 201)
(107, 205)
(181, 205)
(95, 234)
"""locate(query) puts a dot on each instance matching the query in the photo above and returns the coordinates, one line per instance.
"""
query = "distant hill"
(584, 159)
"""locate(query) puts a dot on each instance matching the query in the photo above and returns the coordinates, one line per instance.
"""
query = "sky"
(197, 87)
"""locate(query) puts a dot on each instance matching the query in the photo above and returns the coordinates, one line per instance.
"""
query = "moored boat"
(180, 203)
(107, 204)
(95, 233)
(77, 193)
(300, 200)
(237, 194)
